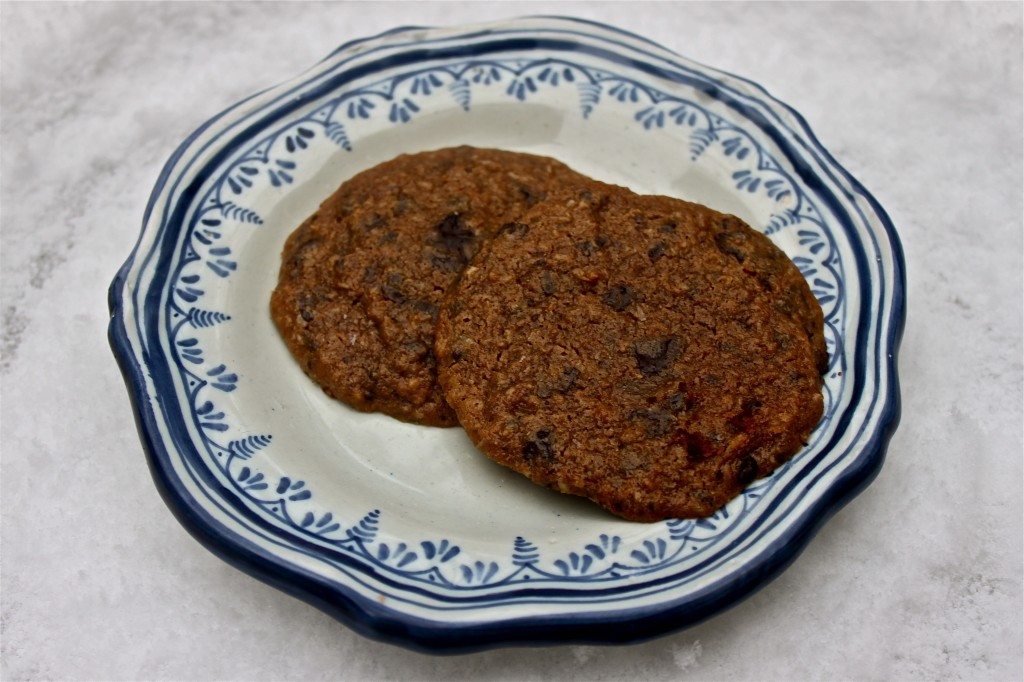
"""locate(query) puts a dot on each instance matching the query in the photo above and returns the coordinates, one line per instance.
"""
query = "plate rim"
(644, 622)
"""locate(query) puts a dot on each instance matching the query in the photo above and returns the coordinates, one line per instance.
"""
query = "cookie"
(361, 279)
(615, 346)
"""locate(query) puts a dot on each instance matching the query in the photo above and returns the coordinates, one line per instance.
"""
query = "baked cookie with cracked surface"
(361, 279)
(640, 351)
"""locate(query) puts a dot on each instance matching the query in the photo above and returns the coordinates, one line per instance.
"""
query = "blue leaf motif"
(201, 319)
(233, 211)
(366, 529)
(623, 91)
(486, 75)
(445, 551)
(336, 133)
(524, 552)
(781, 220)
(189, 294)
(650, 117)
(360, 108)
(226, 382)
(460, 92)
(700, 140)
(402, 111)
(680, 529)
(683, 115)
(521, 88)
(590, 95)
(424, 85)
(610, 543)
(737, 146)
(189, 351)
(746, 180)
(479, 572)
(248, 446)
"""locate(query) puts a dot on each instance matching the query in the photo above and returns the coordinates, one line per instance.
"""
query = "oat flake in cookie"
(361, 280)
(618, 347)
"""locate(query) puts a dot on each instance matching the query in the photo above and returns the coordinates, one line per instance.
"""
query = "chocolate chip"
(306, 314)
(388, 237)
(300, 253)
(586, 248)
(373, 221)
(656, 251)
(565, 383)
(676, 403)
(656, 422)
(601, 241)
(618, 297)
(403, 204)
(539, 446)
(425, 307)
(370, 273)
(698, 446)
(764, 279)
(547, 283)
(786, 307)
(392, 294)
(447, 262)
(454, 237)
(653, 355)
(416, 348)
(747, 470)
(668, 227)
(743, 420)
(730, 243)
(529, 196)
(514, 229)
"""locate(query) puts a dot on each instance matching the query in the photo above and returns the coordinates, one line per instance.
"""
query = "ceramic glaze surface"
(405, 532)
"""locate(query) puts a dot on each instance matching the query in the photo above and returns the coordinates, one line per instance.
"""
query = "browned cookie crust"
(361, 279)
(778, 276)
(614, 346)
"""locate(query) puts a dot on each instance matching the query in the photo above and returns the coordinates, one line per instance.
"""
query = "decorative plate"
(406, 533)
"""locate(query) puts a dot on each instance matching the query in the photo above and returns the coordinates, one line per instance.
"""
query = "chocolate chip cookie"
(641, 351)
(361, 280)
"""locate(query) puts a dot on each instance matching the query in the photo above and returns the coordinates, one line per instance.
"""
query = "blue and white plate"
(405, 532)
